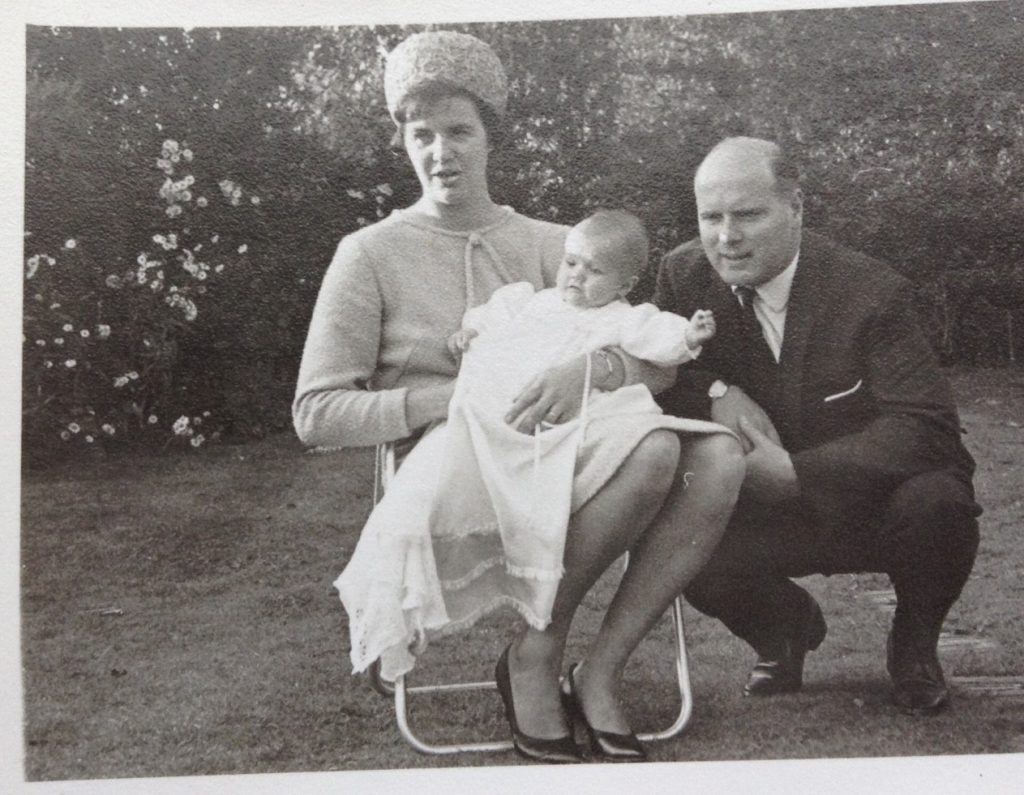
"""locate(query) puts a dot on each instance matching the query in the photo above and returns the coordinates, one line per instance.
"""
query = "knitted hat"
(444, 56)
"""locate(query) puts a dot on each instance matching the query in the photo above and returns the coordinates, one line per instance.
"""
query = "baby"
(477, 516)
(604, 257)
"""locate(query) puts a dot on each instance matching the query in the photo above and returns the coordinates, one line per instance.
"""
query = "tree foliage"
(909, 122)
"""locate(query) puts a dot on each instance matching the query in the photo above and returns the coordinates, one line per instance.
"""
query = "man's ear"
(628, 285)
(797, 202)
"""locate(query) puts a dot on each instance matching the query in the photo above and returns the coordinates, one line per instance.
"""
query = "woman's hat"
(444, 56)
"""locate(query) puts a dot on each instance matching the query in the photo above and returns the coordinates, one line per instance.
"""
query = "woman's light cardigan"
(392, 295)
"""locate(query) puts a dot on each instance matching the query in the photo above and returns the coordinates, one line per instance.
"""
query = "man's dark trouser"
(925, 538)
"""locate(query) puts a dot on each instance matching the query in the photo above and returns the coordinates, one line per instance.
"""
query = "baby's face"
(590, 274)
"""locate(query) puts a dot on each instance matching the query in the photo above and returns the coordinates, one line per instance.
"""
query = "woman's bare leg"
(599, 532)
(669, 553)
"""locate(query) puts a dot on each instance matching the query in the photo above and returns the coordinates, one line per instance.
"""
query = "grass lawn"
(178, 619)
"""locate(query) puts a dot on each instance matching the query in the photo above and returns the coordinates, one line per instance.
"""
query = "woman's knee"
(654, 460)
(717, 459)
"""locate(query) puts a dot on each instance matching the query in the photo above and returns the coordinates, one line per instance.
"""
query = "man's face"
(749, 230)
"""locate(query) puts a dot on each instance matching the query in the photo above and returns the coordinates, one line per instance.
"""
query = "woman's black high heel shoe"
(557, 750)
(618, 747)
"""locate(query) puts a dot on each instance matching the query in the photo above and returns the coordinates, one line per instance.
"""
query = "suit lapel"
(802, 313)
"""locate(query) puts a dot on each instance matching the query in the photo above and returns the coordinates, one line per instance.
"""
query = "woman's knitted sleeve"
(332, 406)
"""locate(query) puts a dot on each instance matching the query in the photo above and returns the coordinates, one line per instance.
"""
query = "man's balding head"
(750, 210)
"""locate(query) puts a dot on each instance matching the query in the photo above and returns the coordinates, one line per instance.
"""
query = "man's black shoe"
(912, 661)
(783, 671)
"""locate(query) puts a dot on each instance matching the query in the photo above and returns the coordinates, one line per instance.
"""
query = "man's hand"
(554, 396)
(771, 477)
(736, 405)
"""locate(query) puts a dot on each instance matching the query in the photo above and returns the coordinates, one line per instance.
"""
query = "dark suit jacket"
(862, 404)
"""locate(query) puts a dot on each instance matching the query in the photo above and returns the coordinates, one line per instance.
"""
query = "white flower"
(173, 211)
(356, 194)
(65, 435)
(84, 333)
(170, 145)
(88, 438)
(215, 238)
(67, 327)
(133, 375)
(108, 429)
(58, 340)
(54, 306)
(69, 363)
(187, 154)
(201, 201)
(120, 381)
(41, 343)
(152, 420)
(180, 426)
(74, 427)
(70, 243)
(197, 440)
(254, 199)
(385, 189)
(218, 268)
(243, 248)
(102, 331)
(32, 266)
(114, 281)
(48, 364)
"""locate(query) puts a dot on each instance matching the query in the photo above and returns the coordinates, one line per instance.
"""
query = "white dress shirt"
(771, 300)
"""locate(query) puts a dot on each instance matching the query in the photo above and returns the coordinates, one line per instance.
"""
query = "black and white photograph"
(502, 397)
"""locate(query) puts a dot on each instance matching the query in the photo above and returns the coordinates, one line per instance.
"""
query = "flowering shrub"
(102, 339)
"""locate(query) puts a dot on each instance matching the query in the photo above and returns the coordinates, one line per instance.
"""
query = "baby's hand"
(458, 343)
(702, 328)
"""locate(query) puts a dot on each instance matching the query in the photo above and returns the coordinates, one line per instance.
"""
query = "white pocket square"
(845, 392)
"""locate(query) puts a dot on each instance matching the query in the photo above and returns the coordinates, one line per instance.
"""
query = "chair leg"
(402, 717)
(682, 670)
(402, 694)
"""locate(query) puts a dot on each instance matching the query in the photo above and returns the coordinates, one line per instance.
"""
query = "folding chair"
(402, 691)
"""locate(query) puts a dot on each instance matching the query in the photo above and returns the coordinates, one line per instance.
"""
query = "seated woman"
(376, 368)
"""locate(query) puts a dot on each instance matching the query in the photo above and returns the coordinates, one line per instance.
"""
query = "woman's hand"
(554, 396)
(425, 404)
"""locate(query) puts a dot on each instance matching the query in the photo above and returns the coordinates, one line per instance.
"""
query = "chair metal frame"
(384, 471)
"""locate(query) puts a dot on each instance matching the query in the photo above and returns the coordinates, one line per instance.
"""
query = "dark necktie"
(752, 328)
(761, 364)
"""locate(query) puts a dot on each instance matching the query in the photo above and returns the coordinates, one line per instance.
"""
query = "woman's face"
(447, 144)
